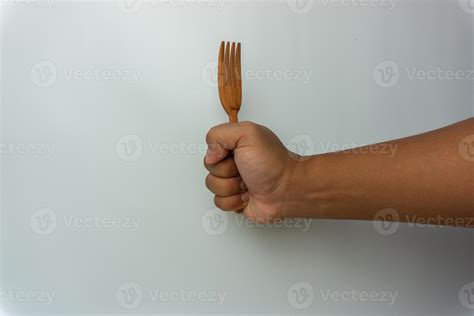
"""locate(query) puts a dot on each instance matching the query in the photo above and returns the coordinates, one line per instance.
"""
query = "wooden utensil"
(229, 79)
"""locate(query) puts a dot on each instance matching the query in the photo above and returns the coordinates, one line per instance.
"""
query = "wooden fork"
(229, 79)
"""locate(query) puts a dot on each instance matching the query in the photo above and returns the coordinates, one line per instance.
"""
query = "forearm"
(423, 176)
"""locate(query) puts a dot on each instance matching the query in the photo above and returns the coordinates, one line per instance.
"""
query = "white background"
(181, 244)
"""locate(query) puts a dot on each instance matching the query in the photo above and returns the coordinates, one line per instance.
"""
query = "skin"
(428, 178)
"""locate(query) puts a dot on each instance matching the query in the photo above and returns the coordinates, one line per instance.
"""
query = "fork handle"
(233, 116)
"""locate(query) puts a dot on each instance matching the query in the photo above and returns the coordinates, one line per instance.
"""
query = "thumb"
(222, 139)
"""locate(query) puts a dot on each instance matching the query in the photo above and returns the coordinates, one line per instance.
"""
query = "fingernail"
(244, 196)
(211, 149)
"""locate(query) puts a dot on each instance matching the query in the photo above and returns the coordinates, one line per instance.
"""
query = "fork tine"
(220, 64)
(221, 76)
(232, 66)
(226, 63)
(238, 71)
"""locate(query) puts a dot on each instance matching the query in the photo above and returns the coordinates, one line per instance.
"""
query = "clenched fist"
(249, 170)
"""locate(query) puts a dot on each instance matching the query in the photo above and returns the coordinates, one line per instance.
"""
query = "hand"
(256, 178)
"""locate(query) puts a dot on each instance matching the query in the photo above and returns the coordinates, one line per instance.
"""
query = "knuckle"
(208, 181)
